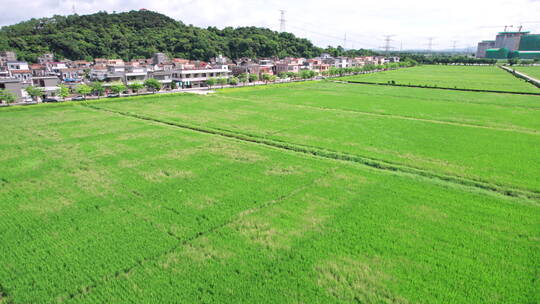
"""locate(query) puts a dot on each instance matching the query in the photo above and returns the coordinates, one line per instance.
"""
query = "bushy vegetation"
(444, 76)
(314, 192)
(139, 34)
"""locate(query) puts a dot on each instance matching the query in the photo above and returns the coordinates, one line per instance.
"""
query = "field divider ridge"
(182, 242)
(335, 155)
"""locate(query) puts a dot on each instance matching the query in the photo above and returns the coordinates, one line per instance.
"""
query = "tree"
(97, 88)
(211, 82)
(253, 77)
(117, 88)
(222, 81)
(34, 92)
(62, 91)
(152, 84)
(266, 78)
(233, 81)
(291, 75)
(243, 77)
(282, 75)
(83, 90)
(173, 85)
(7, 96)
(138, 34)
(136, 86)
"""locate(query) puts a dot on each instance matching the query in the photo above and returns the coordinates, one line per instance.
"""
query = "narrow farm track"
(340, 156)
(184, 241)
(394, 116)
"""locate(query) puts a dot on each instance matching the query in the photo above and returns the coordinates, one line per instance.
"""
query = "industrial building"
(521, 45)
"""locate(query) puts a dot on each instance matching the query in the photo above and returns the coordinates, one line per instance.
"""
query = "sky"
(352, 23)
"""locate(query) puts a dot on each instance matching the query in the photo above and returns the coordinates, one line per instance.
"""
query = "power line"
(335, 38)
(282, 21)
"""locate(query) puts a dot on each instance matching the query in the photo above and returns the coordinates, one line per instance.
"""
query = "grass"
(532, 71)
(102, 207)
(459, 77)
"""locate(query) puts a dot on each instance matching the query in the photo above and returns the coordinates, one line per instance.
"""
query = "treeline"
(139, 34)
(440, 59)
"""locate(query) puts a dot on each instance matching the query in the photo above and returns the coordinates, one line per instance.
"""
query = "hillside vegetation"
(139, 34)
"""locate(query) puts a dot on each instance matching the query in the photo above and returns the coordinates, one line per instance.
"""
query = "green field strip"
(183, 241)
(440, 88)
(473, 78)
(394, 116)
(371, 162)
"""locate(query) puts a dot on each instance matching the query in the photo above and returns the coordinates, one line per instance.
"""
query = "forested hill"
(139, 34)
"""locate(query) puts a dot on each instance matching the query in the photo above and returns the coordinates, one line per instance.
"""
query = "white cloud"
(324, 22)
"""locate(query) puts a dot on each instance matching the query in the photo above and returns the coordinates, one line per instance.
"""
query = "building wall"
(508, 40)
(483, 46)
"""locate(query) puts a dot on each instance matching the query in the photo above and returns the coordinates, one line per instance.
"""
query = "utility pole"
(282, 21)
(454, 47)
(387, 47)
(73, 8)
(344, 41)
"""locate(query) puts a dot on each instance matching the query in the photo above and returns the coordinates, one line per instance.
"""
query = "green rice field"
(315, 192)
(532, 71)
(447, 76)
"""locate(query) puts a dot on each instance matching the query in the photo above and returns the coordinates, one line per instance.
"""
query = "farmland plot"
(443, 76)
(490, 140)
(150, 204)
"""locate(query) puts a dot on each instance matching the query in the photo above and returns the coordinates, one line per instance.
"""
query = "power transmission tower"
(344, 41)
(430, 44)
(282, 21)
(73, 8)
(454, 47)
(387, 47)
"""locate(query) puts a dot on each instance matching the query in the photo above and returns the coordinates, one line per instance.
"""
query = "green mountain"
(139, 34)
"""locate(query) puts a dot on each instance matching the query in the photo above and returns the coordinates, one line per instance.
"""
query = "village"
(50, 80)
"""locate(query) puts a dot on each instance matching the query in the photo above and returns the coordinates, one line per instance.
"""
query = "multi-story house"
(135, 74)
(19, 70)
(246, 67)
(283, 67)
(12, 85)
(164, 77)
(47, 84)
(197, 77)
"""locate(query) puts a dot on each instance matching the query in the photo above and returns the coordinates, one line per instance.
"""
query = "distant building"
(518, 44)
(159, 58)
(46, 58)
(7, 56)
(483, 46)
